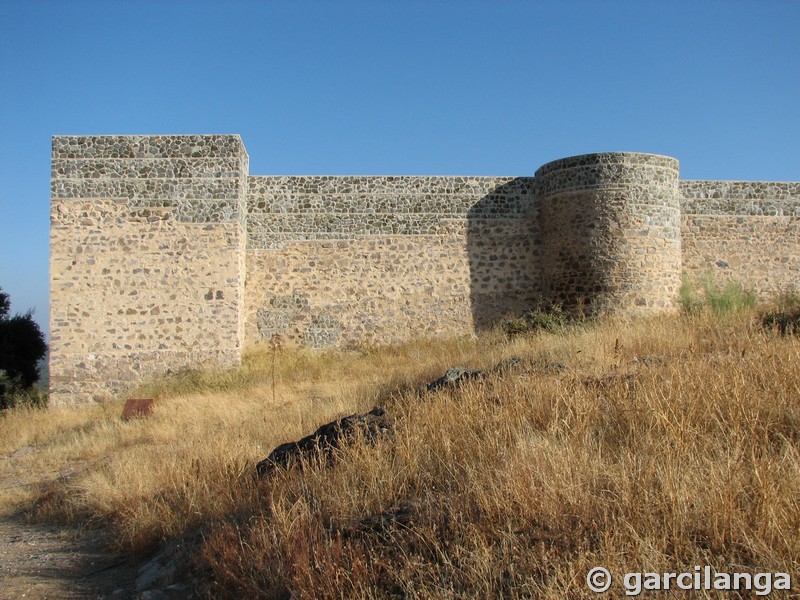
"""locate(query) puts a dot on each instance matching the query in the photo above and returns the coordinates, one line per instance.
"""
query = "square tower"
(146, 258)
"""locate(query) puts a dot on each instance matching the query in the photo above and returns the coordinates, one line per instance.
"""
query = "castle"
(166, 253)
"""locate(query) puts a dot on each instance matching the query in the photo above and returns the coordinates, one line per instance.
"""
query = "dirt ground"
(45, 561)
(50, 561)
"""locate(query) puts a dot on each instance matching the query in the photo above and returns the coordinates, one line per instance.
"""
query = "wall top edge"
(529, 178)
(612, 154)
(225, 145)
(699, 182)
(606, 158)
(124, 136)
(147, 146)
(399, 177)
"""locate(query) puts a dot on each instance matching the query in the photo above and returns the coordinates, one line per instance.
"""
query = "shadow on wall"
(504, 247)
(583, 242)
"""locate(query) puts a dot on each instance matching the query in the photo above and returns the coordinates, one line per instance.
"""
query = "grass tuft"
(731, 297)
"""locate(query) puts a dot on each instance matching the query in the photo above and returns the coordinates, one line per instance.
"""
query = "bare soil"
(54, 561)
(41, 561)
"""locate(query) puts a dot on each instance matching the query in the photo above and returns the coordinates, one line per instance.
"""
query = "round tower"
(611, 232)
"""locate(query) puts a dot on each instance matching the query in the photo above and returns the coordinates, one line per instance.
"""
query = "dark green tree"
(22, 346)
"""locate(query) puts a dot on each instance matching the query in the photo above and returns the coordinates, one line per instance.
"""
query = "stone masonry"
(146, 266)
(167, 254)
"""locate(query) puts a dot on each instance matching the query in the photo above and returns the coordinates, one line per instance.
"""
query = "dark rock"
(784, 322)
(384, 522)
(528, 366)
(327, 439)
(509, 364)
(609, 381)
(458, 375)
(455, 377)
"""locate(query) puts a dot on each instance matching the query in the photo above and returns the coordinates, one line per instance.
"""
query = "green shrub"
(688, 298)
(550, 318)
(22, 346)
(788, 300)
(14, 394)
(514, 326)
(731, 297)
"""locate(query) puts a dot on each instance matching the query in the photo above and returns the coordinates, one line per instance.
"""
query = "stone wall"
(146, 268)
(744, 198)
(339, 260)
(742, 231)
(166, 254)
(611, 225)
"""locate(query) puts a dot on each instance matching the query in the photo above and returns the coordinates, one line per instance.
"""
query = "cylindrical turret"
(611, 230)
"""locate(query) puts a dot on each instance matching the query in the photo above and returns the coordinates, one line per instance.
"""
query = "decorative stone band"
(383, 184)
(147, 146)
(296, 208)
(753, 198)
(201, 179)
(604, 170)
(150, 168)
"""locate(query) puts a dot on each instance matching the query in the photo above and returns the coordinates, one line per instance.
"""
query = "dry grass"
(665, 444)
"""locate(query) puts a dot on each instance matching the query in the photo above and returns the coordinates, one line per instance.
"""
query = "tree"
(5, 304)
(22, 346)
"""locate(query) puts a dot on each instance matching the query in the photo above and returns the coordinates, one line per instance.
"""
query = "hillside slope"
(659, 445)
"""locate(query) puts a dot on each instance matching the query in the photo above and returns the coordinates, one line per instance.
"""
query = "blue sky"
(393, 87)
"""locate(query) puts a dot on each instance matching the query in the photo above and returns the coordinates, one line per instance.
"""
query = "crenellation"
(166, 253)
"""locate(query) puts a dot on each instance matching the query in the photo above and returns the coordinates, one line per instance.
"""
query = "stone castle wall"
(743, 231)
(338, 260)
(165, 253)
(146, 270)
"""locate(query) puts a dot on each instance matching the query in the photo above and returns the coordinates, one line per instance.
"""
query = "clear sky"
(408, 87)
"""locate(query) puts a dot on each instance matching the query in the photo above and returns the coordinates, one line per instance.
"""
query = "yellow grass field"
(662, 445)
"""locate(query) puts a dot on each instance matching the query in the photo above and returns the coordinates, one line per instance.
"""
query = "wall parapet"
(754, 198)
(197, 178)
(287, 208)
(604, 170)
(146, 146)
